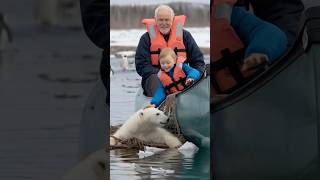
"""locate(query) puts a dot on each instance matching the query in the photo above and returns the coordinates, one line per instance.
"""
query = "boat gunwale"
(258, 82)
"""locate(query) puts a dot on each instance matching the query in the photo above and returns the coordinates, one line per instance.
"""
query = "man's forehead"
(164, 12)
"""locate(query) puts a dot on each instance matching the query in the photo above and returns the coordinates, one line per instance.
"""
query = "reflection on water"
(125, 164)
(123, 88)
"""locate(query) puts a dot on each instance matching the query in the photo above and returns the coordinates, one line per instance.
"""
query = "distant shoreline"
(115, 49)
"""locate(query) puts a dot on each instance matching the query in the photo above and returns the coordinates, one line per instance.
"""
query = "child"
(173, 76)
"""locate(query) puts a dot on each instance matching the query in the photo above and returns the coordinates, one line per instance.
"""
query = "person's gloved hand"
(254, 60)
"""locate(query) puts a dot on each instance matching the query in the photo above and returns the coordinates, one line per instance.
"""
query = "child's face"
(167, 63)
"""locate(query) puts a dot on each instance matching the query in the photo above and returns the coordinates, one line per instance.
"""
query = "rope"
(169, 109)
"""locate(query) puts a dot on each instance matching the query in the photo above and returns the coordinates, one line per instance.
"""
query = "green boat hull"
(270, 128)
(193, 113)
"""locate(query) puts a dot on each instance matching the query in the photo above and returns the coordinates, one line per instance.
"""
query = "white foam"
(161, 171)
(144, 154)
(153, 149)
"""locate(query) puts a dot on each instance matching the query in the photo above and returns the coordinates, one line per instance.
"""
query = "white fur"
(145, 125)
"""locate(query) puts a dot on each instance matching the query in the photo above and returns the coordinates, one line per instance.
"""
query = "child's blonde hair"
(168, 52)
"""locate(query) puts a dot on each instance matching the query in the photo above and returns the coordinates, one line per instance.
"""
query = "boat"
(193, 113)
(270, 127)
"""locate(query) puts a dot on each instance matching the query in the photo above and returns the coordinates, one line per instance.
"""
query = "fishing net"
(169, 109)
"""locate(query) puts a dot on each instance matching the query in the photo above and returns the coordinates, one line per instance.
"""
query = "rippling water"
(125, 164)
(123, 88)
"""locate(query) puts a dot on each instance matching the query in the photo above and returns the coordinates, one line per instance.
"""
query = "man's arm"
(94, 19)
(194, 55)
(143, 59)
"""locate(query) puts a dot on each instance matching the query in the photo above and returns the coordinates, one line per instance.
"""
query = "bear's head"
(154, 116)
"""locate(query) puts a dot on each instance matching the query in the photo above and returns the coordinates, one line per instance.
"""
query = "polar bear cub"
(146, 125)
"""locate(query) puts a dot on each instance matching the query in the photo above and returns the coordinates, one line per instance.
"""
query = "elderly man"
(166, 30)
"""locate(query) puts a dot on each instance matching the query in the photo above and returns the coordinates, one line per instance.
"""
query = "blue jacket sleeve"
(259, 36)
(191, 72)
(159, 95)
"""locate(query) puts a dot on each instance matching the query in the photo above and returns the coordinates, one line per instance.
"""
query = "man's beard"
(166, 33)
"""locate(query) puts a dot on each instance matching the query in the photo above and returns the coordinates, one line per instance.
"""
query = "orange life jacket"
(174, 84)
(175, 39)
(227, 50)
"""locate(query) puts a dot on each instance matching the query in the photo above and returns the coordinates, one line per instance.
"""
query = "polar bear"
(145, 124)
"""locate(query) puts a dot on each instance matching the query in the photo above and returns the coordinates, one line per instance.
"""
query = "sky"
(112, 2)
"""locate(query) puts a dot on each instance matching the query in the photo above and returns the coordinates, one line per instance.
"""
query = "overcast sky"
(155, 1)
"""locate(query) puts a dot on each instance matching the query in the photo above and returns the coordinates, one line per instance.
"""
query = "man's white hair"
(163, 7)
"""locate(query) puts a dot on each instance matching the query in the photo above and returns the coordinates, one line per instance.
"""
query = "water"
(196, 166)
(44, 85)
(45, 78)
(123, 88)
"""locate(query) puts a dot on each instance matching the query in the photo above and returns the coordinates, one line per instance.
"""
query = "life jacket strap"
(175, 84)
(231, 61)
(156, 52)
(176, 50)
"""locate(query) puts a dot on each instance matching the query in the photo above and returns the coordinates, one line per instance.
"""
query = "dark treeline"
(127, 17)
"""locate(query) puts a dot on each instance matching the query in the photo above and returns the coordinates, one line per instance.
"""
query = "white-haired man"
(165, 30)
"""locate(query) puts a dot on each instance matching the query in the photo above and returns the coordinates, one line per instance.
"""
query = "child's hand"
(150, 106)
(189, 81)
(253, 61)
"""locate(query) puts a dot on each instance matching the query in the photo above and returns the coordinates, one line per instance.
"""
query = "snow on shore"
(131, 37)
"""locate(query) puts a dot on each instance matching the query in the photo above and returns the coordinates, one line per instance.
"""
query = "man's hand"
(189, 81)
(254, 60)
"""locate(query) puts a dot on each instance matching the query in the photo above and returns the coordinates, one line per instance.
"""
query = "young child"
(172, 76)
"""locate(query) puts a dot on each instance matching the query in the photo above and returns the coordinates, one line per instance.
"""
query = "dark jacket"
(283, 13)
(143, 59)
(94, 18)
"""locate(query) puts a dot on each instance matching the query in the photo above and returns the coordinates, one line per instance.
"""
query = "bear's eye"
(158, 114)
